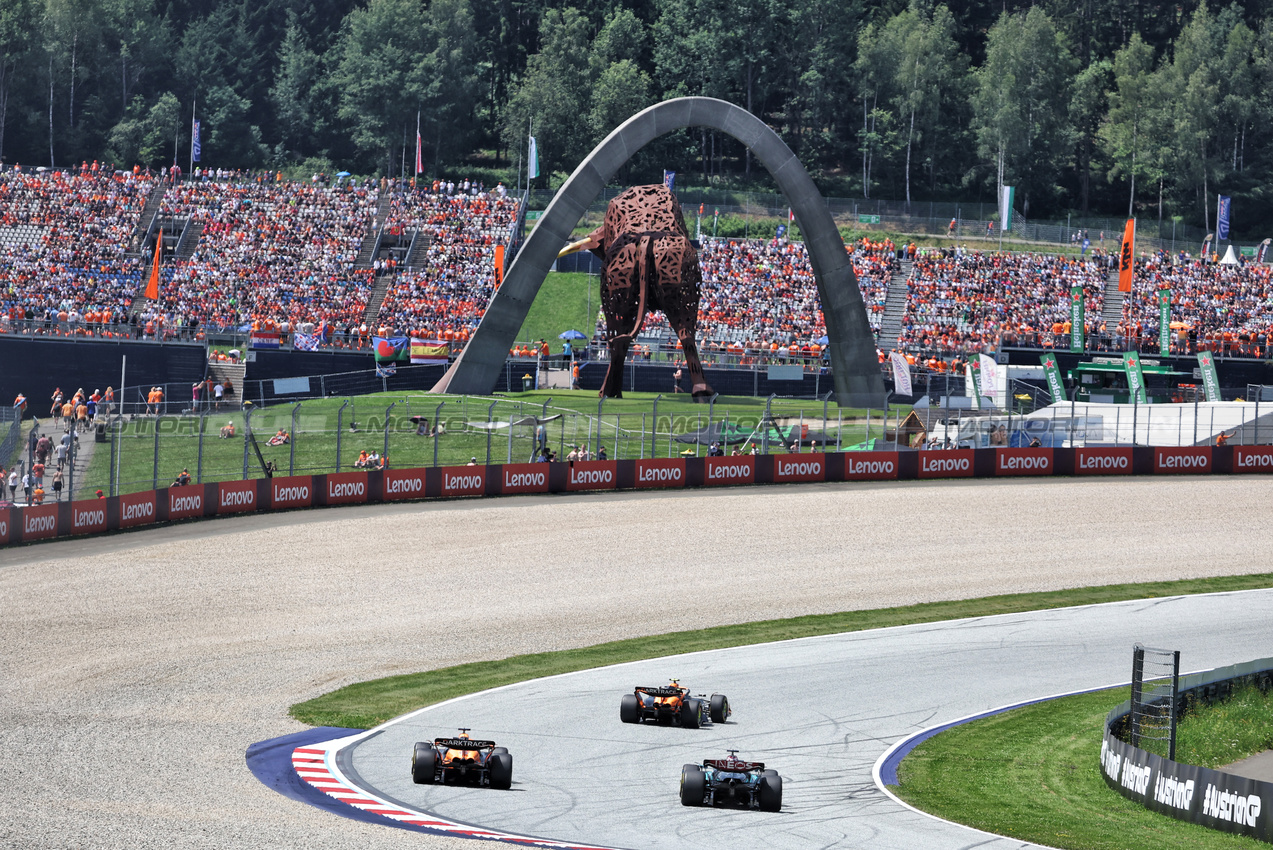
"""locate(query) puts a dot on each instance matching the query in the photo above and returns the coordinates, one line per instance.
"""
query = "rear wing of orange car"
(462, 744)
(662, 691)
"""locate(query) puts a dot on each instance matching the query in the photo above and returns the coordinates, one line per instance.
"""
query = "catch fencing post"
(654, 431)
(198, 471)
(510, 438)
(155, 470)
(768, 420)
(291, 439)
(340, 427)
(437, 412)
(490, 412)
(388, 413)
(111, 470)
(247, 439)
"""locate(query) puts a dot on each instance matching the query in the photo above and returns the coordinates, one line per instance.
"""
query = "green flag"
(1210, 380)
(1053, 373)
(1077, 318)
(1135, 378)
(1164, 321)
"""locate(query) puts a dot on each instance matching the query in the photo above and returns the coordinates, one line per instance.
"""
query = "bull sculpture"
(648, 263)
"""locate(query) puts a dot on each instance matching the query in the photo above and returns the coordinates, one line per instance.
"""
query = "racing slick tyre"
(424, 764)
(501, 770)
(629, 709)
(769, 795)
(693, 785)
(719, 708)
(691, 710)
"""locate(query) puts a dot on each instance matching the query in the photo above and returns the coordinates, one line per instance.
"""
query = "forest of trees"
(1101, 106)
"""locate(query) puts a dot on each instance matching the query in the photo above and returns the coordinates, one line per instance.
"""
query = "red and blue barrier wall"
(134, 510)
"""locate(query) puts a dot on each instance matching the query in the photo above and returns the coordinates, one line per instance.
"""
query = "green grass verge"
(1033, 773)
(367, 704)
(563, 304)
(1229, 731)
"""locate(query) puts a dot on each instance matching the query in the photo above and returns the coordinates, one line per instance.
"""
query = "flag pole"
(193, 111)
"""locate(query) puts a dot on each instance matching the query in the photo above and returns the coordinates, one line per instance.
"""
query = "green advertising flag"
(1210, 380)
(974, 369)
(1077, 318)
(1135, 378)
(1164, 321)
(1053, 373)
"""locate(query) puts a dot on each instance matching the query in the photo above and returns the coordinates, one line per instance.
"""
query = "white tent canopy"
(1230, 258)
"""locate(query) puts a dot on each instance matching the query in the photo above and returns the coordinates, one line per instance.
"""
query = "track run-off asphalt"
(138, 668)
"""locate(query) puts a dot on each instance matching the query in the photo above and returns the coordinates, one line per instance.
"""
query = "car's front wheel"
(719, 708)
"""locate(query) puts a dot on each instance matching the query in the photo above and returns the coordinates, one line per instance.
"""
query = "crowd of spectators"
(960, 301)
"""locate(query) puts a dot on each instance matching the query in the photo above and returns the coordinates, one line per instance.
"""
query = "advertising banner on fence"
(523, 478)
(1103, 461)
(1210, 380)
(656, 472)
(5, 513)
(346, 488)
(296, 491)
(1135, 377)
(236, 497)
(956, 463)
(1190, 459)
(39, 523)
(870, 466)
(592, 475)
(405, 484)
(729, 470)
(88, 516)
(463, 480)
(1253, 459)
(792, 468)
(138, 509)
(1078, 318)
(1023, 462)
(185, 502)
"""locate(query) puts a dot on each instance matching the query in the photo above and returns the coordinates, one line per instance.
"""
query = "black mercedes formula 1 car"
(731, 781)
(461, 761)
(673, 704)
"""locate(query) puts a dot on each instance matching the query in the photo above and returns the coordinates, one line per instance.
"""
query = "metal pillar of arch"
(855, 367)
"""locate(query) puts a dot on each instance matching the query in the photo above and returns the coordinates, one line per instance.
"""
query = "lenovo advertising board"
(797, 467)
(729, 470)
(1186, 460)
(592, 475)
(346, 488)
(185, 502)
(870, 466)
(88, 516)
(656, 472)
(236, 497)
(404, 484)
(39, 523)
(463, 480)
(1103, 461)
(1253, 459)
(138, 509)
(955, 463)
(523, 478)
(292, 491)
(1023, 462)
(5, 514)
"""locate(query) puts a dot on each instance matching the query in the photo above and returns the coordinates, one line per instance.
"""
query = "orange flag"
(1126, 255)
(152, 288)
(499, 265)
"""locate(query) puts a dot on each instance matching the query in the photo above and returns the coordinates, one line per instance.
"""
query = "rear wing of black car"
(736, 767)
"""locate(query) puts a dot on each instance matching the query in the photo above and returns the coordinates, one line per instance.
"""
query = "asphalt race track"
(138, 668)
(820, 710)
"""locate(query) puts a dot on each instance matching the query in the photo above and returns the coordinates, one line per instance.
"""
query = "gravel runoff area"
(138, 668)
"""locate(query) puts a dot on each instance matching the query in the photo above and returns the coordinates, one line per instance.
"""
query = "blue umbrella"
(823, 340)
(571, 334)
(342, 173)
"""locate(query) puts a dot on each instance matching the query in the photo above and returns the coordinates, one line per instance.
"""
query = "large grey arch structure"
(858, 382)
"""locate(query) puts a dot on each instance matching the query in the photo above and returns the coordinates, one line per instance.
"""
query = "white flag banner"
(532, 166)
(990, 378)
(1006, 197)
(901, 374)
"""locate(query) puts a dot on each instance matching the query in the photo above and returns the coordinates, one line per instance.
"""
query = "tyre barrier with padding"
(132, 510)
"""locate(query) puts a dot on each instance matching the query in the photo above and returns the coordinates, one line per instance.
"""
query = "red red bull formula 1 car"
(462, 761)
(731, 781)
(673, 704)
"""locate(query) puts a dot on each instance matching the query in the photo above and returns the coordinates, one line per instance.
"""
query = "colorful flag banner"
(1261, 251)
(499, 265)
(1222, 217)
(901, 374)
(1135, 378)
(419, 152)
(1078, 318)
(1210, 379)
(669, 180)
(532, 160)
(391, 349)
(974, 377)
(1126, 256)
(1164, 321)
(990, 378)
(196, 143)
(429, 351)
(152, 285)
(782, 231)
(1006, 196)
(264, 339)
(1206, 250)
(1052, 372)
(386, 370)
(305, 342)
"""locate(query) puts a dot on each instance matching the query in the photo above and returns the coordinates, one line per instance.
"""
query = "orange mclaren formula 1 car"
(461, 761)
(731, 781)
(673, 704)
